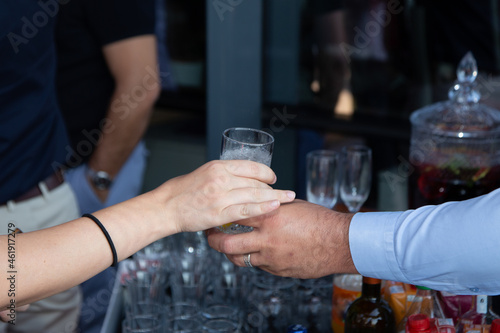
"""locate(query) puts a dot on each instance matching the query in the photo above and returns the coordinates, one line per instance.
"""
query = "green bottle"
(370, 313)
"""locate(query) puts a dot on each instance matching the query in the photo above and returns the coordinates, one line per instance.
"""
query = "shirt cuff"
(371, 241)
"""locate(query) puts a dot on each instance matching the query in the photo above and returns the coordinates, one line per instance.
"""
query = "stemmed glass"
(322, 176)
(241, 143)
(356, 176)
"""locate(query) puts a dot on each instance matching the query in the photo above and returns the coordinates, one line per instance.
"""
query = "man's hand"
(299, 239)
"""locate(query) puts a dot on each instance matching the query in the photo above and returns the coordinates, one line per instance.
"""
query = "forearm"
(126, 125)
(451, 247)
(50, 260)
(134, 67)
(54, 259)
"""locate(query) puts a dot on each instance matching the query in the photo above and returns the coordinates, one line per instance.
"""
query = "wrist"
(162, 219)
(342, 261)
(163, 199)
(135, 223)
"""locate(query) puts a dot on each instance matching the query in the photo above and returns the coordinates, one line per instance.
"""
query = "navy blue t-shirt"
(84, 82)
(33, 139)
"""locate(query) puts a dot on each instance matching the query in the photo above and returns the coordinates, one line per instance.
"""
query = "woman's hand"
(220, 192)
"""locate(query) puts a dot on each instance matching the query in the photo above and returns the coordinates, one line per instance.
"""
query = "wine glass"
(356, 176)
(239, 143)
(322, 177)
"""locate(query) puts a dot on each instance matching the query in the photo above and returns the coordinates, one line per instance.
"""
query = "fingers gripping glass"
(241, 143)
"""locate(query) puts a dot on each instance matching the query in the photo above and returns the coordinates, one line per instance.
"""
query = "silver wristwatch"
(100, 179)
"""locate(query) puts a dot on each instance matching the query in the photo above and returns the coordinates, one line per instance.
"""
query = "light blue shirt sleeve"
(452, 247)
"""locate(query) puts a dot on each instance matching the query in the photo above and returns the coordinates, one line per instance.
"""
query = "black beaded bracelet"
(108, 237)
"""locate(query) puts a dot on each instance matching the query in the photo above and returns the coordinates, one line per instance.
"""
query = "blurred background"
(316, 74)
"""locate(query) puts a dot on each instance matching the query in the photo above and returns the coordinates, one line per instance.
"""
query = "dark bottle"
(370, 313)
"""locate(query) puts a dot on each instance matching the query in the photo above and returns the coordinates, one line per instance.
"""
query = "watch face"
(101, 180)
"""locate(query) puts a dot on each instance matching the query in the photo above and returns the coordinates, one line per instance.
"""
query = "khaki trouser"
(58, 313)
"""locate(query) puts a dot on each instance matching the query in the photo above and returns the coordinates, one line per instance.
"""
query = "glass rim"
(357, 148)
(271, 141)
(323, 152)
(156, 323)
(214, 311)
(278, 283)
(215, 323)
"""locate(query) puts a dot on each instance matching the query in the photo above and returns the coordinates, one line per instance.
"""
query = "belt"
(51, 182)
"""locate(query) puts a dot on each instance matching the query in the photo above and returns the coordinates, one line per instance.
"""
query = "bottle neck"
(423, 294)
(371, 288)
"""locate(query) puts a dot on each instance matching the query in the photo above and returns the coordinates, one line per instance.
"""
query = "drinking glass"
(155, 310)
(356, 176)
(154, 256)
(189, 287)
(314, 303)
(322, 176)
(182, 311)
(241, 143)
(142, 324)
(221, 326)
(190, 252)
(221, 311)
(184, 325)
(271, 303)
(145, 286)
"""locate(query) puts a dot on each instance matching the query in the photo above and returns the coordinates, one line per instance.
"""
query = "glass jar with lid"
(455, 144)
